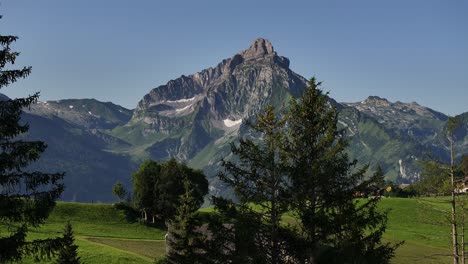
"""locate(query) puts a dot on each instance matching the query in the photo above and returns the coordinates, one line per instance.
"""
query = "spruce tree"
(259, 178)
(299, 166)
(68, 253)
(26, 197)
(335, 227)
(184, 238)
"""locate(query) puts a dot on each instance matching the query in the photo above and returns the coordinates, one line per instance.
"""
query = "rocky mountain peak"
(260, 48)
(254, 71)
(376, 100)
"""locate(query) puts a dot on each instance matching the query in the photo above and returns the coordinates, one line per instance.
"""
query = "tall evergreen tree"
(335, 227)
(300, 166)
(26, 198)
(68, 253)
(259, 179)
(184, 237)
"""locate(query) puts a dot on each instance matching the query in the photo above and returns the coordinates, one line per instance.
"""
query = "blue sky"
(118, 51)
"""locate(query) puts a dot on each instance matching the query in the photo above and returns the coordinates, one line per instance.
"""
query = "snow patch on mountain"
(183, 108)
(231, 123)
(181, 100)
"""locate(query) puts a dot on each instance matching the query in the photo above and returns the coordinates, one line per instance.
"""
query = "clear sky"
(112, 50)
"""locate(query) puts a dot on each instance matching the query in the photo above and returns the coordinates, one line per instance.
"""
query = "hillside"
(105, 234)
(76, 145)
(394, 135)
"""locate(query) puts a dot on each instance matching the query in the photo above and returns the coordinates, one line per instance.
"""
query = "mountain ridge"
(194, 118)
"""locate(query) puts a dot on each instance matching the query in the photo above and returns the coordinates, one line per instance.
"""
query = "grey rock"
(259, 49)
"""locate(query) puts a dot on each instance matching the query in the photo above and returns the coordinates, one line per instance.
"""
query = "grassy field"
(422, 224)
(106, 234)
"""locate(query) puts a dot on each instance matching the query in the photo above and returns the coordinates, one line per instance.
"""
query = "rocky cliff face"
(211, 105)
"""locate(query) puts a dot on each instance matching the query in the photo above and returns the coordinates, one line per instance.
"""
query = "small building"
(461, 185)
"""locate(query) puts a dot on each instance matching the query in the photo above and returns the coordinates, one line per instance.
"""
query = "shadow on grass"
(159, 224)
(131, 215)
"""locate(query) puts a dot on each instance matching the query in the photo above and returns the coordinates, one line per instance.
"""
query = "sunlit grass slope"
(106, 234)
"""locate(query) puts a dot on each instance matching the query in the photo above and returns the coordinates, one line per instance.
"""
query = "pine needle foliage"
(68, 253)
(299, 169)
(184, 238)
(26, 197)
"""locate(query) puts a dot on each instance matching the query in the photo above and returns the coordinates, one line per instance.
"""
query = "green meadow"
(106, 234)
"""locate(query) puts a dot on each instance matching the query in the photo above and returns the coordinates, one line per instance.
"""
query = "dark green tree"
(157, 188)
(435, 178)
(300, 166)
(119, 190)
(68, 253)
(26, 197)
(259, 181)
(334, 227)
(379, 178)
(184, 236)
(463, 166)
(143, 185)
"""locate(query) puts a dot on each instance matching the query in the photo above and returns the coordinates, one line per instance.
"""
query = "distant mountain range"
(194, 118)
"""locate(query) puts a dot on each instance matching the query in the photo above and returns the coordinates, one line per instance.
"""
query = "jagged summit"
(376, 100)
(255, 71)
(260, 48)
(208, 107)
